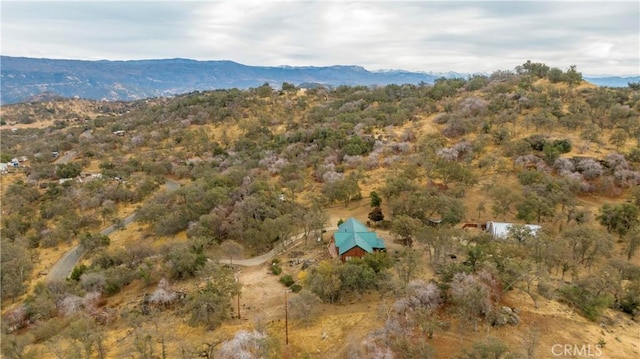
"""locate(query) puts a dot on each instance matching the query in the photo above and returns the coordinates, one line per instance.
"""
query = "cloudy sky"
(600, 37)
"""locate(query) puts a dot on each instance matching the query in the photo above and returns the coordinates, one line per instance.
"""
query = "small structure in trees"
(500, 230)
(353, 239)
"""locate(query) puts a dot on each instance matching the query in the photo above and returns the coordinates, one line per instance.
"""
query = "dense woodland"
(258, 167)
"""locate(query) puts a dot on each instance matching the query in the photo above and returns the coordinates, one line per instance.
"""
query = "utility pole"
(286, 319)
(236, 277)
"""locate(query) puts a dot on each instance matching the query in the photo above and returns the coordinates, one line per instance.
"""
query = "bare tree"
(89, 335)
(245, 344)
(312, 218)
(471, 296)
(503, 200)
(18, 347)
(230, 249)
(408, 265)
(405, 227)
(303, 306)
(633, 239)
(16, 268)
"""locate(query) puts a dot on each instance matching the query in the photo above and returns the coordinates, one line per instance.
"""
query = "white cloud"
(600, 37)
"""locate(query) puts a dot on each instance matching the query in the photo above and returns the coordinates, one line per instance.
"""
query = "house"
(4, 168)
(501, 229)
(353, 239)
(118, 133)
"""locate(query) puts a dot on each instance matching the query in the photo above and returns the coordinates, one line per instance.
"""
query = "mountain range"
(30, 79)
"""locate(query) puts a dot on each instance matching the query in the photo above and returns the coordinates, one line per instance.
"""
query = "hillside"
(265, 172)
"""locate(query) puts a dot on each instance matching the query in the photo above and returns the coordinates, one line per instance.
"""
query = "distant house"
(501, 229)
(4, 168)
(118, 133)
(353, 239)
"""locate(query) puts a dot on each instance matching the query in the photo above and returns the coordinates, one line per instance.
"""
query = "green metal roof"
(354, 234)
(352, 225)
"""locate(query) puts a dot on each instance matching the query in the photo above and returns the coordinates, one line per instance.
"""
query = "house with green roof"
(353, 239)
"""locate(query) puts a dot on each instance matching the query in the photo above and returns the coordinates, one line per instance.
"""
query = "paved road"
(63, 268)
(255, 261)
(66, 158)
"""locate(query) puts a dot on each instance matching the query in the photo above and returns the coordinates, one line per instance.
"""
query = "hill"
(172, 270)
(30, 79)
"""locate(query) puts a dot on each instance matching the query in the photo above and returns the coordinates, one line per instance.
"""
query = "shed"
(501, 229)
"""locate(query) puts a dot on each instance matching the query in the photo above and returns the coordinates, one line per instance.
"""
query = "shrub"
(529, 177)
(634, 155)
(448, 154)
(564, 166)
(590, 168)
(116, 278)
(77, 272)
(48, 329)
(590, 304)
(564, 146)
(630, 302)
(441, 118)
(473, 106)
(456, 127)
(546, 289)
(491, 347)
(245, 344)
(516, 148)
(296, 288)
(628, 271)
(92, 281)
(287, 280)
(616, 161)
(275, 269)
(536, 142)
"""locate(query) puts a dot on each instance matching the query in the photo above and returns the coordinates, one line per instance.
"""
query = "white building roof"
(501, 229)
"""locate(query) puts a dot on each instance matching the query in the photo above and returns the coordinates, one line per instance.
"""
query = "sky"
(599, 37)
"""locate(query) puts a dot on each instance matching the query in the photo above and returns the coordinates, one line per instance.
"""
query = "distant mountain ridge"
(25, 79)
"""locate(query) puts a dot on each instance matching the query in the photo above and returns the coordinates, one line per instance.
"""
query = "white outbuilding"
(501, 229)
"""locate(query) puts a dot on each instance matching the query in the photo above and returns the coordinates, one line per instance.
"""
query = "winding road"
(62, 269)
(66, 158)
(254, 261)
